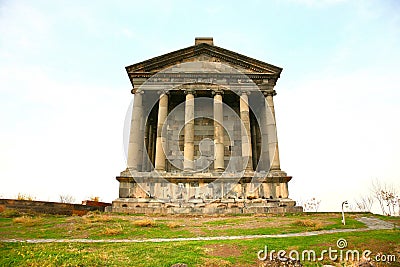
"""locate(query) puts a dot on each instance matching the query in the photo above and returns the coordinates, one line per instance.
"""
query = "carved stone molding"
(216, 52)
(269, 93)
(163, 91)
(217, 92)
(137, 91)
(191, 91)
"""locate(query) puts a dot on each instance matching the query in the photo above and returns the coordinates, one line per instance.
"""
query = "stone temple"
(202, 137)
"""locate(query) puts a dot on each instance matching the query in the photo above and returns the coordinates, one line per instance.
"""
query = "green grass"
(192, 253)
(201, 253)
(106, 226)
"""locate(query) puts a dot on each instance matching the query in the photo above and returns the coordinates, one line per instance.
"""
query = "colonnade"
(141, 136)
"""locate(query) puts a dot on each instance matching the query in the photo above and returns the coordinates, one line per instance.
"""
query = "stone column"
(253, 126)
(135, 147)
(264, 157)
(149, 147)
(246, 136)
(161, 138)
(152, 146)
(218, 132)
(271, 131)
(188, 149)
(146, 148)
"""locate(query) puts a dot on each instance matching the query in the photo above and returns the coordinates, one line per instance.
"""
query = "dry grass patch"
(223, 250)
(216, 262)
(114, 230)
(172, 225)
(144, 223)
(309, 223)
(27, 221)
(92, 218)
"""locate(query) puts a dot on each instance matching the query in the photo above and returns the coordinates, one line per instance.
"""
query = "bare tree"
(364, 203)
(386, 196)
(390, 198)
(398, 206)
(376, 189)
(311, 205)
(67, 199)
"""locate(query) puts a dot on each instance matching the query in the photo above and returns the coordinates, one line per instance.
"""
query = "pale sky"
(64, 91)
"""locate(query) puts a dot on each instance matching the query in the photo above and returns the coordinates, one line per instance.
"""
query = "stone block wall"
(204, 136)
(48, 207)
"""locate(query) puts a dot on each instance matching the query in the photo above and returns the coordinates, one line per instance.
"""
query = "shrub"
(95, 198)
(25, 197)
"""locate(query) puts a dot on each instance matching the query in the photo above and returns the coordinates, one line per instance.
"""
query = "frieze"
(205, 78)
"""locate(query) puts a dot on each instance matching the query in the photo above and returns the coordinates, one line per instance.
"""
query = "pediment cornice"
(251, 66)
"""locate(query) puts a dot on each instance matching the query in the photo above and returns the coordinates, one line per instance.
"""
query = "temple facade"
(202, 137)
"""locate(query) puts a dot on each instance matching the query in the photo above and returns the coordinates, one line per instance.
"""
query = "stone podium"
(203, 136)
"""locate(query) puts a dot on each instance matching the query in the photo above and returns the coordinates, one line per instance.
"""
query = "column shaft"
(218, 133)
(254, 143)
(246, 136)
(150, 147)
(264, 157)
(153, 146)
(272, 134)
(135, 147)
(188, 149)
(161, 138)
(146, 148)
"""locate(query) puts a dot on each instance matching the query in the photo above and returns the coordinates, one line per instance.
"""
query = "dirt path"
(371, 223)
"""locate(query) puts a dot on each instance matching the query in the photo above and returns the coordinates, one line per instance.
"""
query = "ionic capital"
(137, 91)
(190, 91)
(217, 92)
(269, 93)
(244, 92)
(163, 92)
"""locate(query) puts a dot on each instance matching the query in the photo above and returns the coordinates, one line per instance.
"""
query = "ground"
(137, 240)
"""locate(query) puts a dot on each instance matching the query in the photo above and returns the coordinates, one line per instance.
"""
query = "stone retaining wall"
(47, 207)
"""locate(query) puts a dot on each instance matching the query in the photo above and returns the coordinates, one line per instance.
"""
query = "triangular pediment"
(204, 52)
